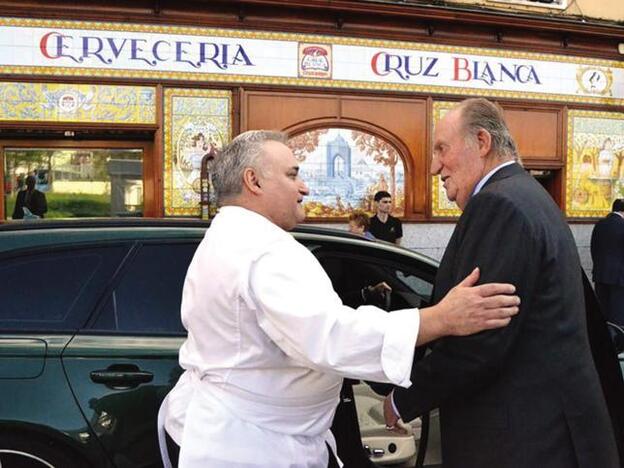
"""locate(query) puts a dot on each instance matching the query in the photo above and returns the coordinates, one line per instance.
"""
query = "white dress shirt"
(487, 176)
(268, 343)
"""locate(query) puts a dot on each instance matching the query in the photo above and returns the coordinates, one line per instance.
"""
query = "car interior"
(412, 287)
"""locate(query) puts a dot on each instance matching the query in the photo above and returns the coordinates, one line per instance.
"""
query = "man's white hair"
(481, 114)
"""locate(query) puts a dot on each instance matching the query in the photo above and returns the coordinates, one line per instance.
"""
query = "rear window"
(53, 290)
(147, 297)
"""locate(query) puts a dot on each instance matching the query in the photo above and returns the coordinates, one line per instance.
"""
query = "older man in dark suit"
(607, 251)
(527, 395)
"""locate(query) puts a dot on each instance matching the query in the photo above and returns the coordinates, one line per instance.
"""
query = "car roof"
(40, 233)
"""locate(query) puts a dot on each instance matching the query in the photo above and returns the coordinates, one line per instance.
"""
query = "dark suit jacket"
(37, 204)
(607, 250)
(526, 395)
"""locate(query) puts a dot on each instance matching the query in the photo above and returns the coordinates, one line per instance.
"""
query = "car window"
(352, 268)
(147, 297)
(422, 287)
(410, 288)
(53, 291)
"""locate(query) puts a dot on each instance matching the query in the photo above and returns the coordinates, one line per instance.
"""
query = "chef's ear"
(251, 180)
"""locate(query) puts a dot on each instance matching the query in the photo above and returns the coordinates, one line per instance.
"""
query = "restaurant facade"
(112, 107)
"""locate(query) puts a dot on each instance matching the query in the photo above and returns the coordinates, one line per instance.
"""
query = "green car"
(90, 331)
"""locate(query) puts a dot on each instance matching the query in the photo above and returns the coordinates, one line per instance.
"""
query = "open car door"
(359, 426)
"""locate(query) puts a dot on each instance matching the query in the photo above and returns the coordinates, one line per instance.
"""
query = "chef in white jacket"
(269, 340)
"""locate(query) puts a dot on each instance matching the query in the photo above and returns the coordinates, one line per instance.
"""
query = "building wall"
(604, 9)
(612, 10)
(402, 107)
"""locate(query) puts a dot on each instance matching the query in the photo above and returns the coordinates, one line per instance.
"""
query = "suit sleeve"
(497, 238)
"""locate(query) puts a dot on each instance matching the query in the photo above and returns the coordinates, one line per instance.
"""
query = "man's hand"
(468, 309)
(379, 290)
(391, 418)
(376, 294)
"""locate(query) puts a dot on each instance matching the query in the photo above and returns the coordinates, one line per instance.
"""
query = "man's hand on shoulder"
(469, 309)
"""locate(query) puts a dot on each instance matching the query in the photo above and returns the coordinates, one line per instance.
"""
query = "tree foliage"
(381, 151)
(305, 143)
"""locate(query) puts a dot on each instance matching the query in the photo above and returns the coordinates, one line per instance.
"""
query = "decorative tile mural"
(195, 122)
(58, 102)
(344, 168)
(441, 206)
(595, 162)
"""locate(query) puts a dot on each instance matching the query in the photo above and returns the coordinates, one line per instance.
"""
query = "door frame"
(152, 169)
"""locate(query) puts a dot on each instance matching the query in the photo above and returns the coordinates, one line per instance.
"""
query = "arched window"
(344, 168)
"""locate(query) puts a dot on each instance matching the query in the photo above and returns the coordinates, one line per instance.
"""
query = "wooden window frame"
(152, 169)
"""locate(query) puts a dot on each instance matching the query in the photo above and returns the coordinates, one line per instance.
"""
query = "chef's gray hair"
(241, 153)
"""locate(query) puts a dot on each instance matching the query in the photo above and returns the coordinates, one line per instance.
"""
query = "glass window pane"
(53, 291)
(74, 183)
(147, 299)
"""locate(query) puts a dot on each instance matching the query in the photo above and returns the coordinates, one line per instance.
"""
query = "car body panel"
(123, 418)
(21, 358)
(44, 406)
(59, 237)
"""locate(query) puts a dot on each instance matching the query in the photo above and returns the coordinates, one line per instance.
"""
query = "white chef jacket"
(268, 344)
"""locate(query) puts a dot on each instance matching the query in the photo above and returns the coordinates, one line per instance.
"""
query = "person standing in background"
(383, 225)
(31, 199)
(607, 252)
(359, 223)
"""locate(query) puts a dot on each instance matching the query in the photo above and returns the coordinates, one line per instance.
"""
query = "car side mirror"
(617, 335)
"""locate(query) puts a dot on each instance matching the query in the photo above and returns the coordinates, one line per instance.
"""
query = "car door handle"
(121, 376)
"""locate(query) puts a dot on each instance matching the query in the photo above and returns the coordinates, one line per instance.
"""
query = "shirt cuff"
(394, 408)
(399, 344)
